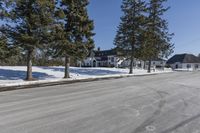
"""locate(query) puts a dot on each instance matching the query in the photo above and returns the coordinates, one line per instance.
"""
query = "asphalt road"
(166, 103)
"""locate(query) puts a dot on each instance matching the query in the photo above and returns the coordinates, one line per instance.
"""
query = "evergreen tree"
(3, 48)
(29, 25)
(73, 33)
(157, 38)
(7, 51)
(131, 25)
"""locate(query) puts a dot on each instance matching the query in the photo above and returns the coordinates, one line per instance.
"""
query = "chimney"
(98, 49)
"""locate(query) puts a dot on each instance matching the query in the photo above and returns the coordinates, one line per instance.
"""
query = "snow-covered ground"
(15, 75)
(187, 70)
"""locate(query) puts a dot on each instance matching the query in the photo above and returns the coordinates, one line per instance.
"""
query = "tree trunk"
(29, 76)
(131, 64)
(144, 65)
(67, 64)
(149, 67)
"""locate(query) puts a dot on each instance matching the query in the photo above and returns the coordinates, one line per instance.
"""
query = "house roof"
(105, 53)
(158, 59)
(184, 58)
(102, 58)
(102, 53)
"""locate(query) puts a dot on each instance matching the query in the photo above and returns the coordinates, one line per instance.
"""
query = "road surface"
(165, 103)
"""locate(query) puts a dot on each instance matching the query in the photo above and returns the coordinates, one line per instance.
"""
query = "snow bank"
(15, 75)
(186, 70)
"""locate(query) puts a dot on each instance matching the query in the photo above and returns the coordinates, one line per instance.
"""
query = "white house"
(155, 63)
(184, 62)
(89, 61)
(105, 58)
(137, 63)
(158, 63)
(110, 58)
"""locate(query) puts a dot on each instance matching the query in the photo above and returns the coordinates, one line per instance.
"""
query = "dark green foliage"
(73, 32)
(32, 25)
(3, 48)
(157, 37)
(7, 51)
(143, 33)
(130, 28)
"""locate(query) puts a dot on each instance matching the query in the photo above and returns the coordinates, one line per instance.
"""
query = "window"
(112, 59)
(188, 65)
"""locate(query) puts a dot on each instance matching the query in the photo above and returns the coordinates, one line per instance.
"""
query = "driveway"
(165, 103)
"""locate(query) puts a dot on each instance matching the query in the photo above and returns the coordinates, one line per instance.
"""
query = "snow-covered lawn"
(186, 70)
(15, 75)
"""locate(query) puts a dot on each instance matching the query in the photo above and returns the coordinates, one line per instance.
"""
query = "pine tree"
(131, 25)
(8, 52)
(29, 25)
(157, 37)
(3, 48)
(73, 33)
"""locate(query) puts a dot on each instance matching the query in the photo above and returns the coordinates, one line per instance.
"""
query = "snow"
(189, 70)
(15, 75)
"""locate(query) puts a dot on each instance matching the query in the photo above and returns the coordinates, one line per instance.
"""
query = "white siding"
(186, 66)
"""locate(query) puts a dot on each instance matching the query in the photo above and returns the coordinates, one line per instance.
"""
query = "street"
(165, 103)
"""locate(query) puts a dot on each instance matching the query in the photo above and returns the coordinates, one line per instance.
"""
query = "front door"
(176, 66)
(94, 63)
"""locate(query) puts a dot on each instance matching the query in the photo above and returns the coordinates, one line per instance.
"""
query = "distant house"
(104, 58)
(184, 62)
(111, 58)
(158, 63)
(137, 63)
(89, 61)
(107, 58)
(155, 63)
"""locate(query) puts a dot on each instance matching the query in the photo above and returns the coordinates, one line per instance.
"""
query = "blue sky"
(183, 18)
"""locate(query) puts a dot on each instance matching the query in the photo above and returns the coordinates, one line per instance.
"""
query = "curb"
(63, 82)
